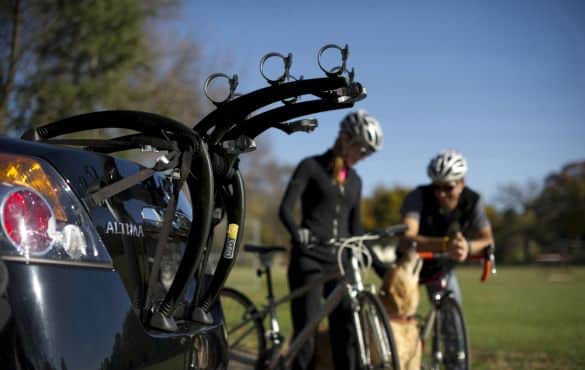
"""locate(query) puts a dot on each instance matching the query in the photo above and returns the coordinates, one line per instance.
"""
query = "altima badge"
(126, 229)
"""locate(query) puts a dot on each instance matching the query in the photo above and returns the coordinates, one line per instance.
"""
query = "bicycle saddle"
(264, 249)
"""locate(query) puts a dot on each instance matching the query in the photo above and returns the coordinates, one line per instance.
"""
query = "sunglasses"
(443, 188)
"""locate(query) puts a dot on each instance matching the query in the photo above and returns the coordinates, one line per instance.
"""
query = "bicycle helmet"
(448, 165)
(363, 128)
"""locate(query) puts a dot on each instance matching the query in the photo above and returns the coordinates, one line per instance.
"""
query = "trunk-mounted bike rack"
(206, 158)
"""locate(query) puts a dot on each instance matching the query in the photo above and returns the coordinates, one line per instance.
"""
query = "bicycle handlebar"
(387, 232)
(487, 257)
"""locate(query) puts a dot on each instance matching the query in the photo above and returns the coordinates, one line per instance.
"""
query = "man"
(446, 216)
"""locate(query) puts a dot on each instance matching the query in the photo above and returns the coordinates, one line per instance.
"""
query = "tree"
(561, 206)
(265, 180)
(59, 58)
(383, 207)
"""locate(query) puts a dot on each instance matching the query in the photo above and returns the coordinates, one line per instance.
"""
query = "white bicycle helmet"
(363, 128)
(448, 165)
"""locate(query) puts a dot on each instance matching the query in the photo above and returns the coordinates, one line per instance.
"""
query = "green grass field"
(522, 318)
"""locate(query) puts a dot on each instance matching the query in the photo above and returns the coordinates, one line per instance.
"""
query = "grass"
(522, 318)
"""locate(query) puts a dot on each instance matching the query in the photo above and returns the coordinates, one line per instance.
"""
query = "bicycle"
(250, 343)
(450, 343)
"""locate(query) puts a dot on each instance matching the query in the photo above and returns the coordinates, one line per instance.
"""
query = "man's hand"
(458, 247)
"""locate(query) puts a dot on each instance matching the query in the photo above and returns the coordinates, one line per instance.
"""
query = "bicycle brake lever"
(394, 230)
(305, 125)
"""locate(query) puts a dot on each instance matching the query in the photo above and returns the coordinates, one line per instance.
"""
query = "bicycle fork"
(432, 325)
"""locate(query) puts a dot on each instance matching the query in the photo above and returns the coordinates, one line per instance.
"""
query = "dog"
(400, 296)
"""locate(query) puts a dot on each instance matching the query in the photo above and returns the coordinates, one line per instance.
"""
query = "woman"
(329, 190)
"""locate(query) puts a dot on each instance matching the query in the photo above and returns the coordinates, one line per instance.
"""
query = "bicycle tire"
(246, 341)
(455, 343)
(376, 335)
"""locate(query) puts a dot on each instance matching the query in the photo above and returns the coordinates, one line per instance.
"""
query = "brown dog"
(400, 296)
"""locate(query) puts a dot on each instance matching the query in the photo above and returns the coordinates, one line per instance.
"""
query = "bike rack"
(210, 150)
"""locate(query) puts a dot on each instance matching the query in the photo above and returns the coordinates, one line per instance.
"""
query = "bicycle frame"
(349, 285)
(270, 309)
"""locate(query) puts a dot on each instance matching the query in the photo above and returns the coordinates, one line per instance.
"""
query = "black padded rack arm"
(256, 125)
(118, 144)
(202, 202)
(235, 207)
(238, 109)
(146, 123)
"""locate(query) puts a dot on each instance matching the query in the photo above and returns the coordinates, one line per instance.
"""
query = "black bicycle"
(251, 344)
(445, 323)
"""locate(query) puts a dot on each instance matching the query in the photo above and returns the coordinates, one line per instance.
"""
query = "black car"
(76, 271)
(104, 262)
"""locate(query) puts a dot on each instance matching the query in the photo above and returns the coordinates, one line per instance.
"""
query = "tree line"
(529, 221)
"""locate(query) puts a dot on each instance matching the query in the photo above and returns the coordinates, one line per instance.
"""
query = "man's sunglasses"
(443, 188)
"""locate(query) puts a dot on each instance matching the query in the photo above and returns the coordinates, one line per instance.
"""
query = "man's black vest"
(434, 222)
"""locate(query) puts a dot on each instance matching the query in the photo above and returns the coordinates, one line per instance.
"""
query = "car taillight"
(27, 220)
(41, 218)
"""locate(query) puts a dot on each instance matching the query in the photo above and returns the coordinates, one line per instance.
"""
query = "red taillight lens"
(27, 218)
(41, 219)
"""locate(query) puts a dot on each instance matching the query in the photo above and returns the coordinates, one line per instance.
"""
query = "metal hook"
(337, 70)
(286, 61)
(351, 75)
(233, 85)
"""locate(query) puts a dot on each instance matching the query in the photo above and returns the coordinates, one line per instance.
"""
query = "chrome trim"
(42, 261)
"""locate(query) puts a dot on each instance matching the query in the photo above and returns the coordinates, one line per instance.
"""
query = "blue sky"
(501, 81)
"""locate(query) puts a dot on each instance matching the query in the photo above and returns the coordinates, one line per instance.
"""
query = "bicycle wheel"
(245, 334)
(453, 343)
(375, 341)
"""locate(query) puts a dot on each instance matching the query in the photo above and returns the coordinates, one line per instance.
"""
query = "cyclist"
(329, 190)
(446, 216)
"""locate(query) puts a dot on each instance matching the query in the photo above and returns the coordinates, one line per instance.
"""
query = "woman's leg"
(302, 271)
(342, 333)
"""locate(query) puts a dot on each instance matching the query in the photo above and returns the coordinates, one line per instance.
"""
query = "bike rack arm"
(144, 122)
(235, 233)
(273, 118)
(202, 193)
(223, 118)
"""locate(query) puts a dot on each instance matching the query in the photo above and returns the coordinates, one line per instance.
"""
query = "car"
(74, 273)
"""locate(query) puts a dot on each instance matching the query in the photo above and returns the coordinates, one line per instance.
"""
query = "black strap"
(186, 159)
(127, 182)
